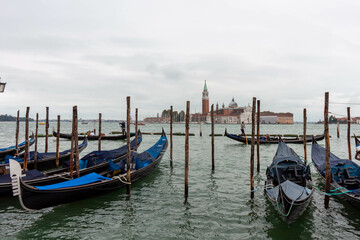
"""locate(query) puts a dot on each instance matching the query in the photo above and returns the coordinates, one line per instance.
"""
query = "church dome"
(233, 104)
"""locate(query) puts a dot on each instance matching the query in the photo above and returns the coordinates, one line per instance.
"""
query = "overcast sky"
(95, 53)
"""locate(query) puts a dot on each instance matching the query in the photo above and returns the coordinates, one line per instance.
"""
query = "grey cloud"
(42, 43)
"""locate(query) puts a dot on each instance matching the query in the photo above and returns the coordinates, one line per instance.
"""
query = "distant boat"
(274, 140)
(84, 122)
(96, 137)
(139, 124)
(42, 123)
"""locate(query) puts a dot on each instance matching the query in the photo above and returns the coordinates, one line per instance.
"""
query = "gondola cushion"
(29, 175)
(157, 148)
(40, 156)
(87, 179)
(142, 159)
(113, 166)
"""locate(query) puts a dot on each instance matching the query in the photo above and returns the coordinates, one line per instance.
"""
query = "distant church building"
(205, 100)
(235, 114)
(230, 114)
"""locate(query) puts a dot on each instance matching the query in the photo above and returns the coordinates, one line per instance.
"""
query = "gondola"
(96, 161)
(12, 150)
(288, 184)
(90, 185)
(357, 141)
(357, 148)
(95, 137)
(37, 197)
(345, 174)
(44, 161)
(273, 140)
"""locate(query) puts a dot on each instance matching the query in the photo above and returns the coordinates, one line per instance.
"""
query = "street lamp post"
(2, 87)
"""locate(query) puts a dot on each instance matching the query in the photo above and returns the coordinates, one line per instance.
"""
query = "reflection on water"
(186, 227)
(278, 229)
(218, 206)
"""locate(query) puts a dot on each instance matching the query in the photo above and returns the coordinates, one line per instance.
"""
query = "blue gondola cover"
(89, 178)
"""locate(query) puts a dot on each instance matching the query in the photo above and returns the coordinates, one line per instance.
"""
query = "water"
(219, 204)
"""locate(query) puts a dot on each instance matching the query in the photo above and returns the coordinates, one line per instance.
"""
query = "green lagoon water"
(219, 204)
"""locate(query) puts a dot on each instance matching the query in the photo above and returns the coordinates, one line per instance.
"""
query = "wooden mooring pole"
(58, 141)
(252, 147)
(26, 138)
(258, 137)
(17, 132)
(327, 151)
(171, 137)
(36, 140)
(338, 129)
(128, 150)
(136, 128)
(200, 129)
(187, 120)
(212, 138)
(348, 131)
(47, 130)
(99, 144)
(304, 136)
(72, 149)
(76, 141)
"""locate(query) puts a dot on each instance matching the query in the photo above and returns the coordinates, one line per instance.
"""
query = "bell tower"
(205, 100)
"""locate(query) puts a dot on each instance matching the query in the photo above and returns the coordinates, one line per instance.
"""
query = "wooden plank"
(128, 152)
(252, 147)
(47, 130)
(327, 151)
(187, 120)
(304, 138)
(212, 138)
(58, 141)
(258, 137)
(171, 137)
(26, 138)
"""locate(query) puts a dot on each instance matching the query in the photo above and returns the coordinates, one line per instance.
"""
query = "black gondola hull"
(342, 192)
(274, 141)
(96, 137)
(33, 198)
(294, 211)
(12, 151)
(287, 181)
(50, 162)
(60, 174)
(348, 197)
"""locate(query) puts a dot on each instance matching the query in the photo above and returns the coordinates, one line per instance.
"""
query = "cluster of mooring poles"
(187, 124)
(255, 120)
(187, 121)
(327, 141)
(74, 152)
